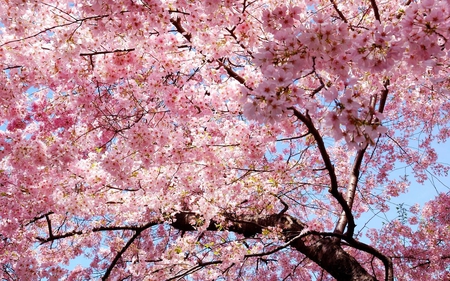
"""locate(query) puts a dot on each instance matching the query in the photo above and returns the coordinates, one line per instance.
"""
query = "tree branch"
(341, 15)
(57, 237)
(389, 270)
(38, 218)
(122, 251)
(180, 29)
(193, 269)
(375, 10)
(221, 61)
(351, 190)
(384, 94)
(53, 237)
(354, 176)
(54, 27)
(106, 52)
(325, 251)
(329, 166)
(231, 72)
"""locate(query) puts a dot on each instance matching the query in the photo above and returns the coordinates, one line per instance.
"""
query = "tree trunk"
(325, 251)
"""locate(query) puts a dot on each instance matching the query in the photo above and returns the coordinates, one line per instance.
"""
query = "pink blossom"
(222, 140)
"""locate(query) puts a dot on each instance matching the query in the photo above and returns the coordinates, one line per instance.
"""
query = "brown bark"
(325, 251)
(329, 255)
(322, 248)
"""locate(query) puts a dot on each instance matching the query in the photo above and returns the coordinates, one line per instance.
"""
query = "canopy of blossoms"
(221, 140)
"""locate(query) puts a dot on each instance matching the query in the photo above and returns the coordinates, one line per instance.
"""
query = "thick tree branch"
(320, 248)
(53, 237)
(351, 190)
(231, 72)
(330, 256)
(57, 237)
(329, 166)
(384, 94)
(49, 226)
(123, 250)
(38, 218)
(388, 265)
(375, 10)
(325, 251)
(180, 28)
(353, 182)
(389, 270)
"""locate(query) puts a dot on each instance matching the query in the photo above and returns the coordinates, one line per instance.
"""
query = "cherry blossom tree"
(221, 140)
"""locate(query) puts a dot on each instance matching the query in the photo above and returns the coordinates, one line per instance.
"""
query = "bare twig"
(55, 27)
(106, 52)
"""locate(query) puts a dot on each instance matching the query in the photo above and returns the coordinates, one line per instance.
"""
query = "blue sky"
(417, 193)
